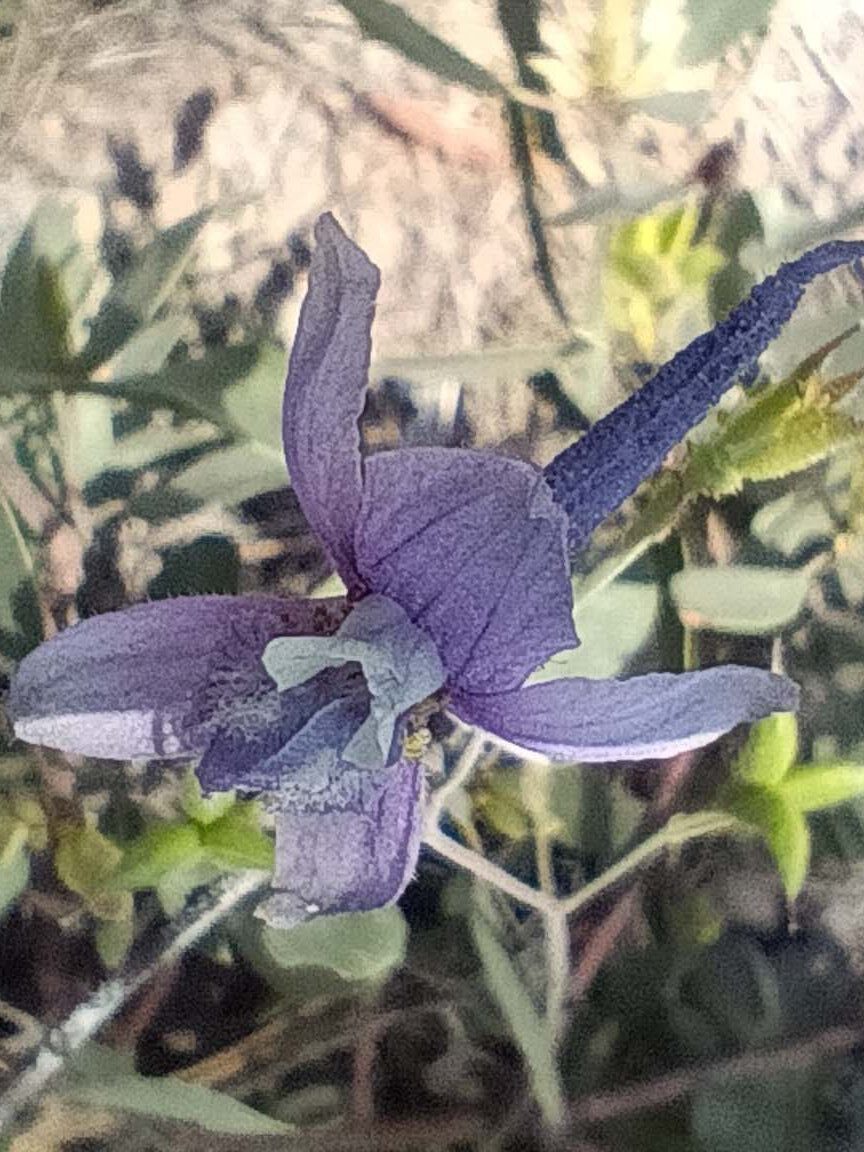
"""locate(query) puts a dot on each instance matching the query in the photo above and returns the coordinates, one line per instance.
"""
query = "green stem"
(557, 939)
(488, 872)
(464, 767)
(690, 649)
(678, 831)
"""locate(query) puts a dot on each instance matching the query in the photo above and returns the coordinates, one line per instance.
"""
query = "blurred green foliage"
(655, 264)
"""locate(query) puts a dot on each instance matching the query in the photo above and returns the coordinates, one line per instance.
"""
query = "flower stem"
(490, 873)
(557, 941)
(465, 765)
(678, 831)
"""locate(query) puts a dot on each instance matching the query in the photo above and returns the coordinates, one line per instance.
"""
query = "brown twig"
(606, 935)
(369, 1031)
(602, 941)
(126, 1029)
(675, 774)
(647, 1095)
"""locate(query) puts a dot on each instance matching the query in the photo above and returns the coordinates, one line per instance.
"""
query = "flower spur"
(458, 588)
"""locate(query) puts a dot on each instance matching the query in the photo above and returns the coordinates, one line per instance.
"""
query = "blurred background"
(559, 195)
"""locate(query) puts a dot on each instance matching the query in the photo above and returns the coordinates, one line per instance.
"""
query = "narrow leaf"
(528, 1029)
(792, 523)
(816, 786)
(135, 297)
(167, 1098)
(160, 851)
(742, 599)
(16, 569)
(849, 551)
(147, 350)
(34, 313)
(237, 840)
(14, 874)
(388, 23)
(770, 750)
(784, 828)
(233, 474)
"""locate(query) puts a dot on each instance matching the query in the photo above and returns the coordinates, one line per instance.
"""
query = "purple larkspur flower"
(456, 566)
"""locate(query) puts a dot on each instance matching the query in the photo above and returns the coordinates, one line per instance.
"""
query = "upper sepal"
(326, 388)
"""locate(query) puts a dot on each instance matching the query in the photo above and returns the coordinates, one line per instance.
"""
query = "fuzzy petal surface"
(137, 684)
(646, 717)
(473, 548)
(263, 740)
(348, 852)
(326, 388)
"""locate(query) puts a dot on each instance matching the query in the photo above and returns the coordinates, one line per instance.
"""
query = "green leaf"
(85, 860)
(742, 599)
(792, 523)
(686, 108)
(715, 25)
(237, 840)
(816, 786)
(192, 387)
(789, 231)
(789, 841)
(849, 551)
(727, 994)
(149, 446)
(16, 569)
(233, 474)
(779, 430)
(209, 564)
(162, 850)
(254, 404)
(782, 1114)
(498, 801)
(34, 313)
(612, 626)
(388, 23)
(14, 874)
(174, 888)
(147, 349)
(486, 366)
(87, 437)
(770, 751)
(355, 945)
(526, 1026)
(204, 809)
(134, 299)
(197, 386)
(109, 1082)
(618, 202)
(113, 939)
(784, 828)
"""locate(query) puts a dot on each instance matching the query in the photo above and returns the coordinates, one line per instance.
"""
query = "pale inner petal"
(399, 661)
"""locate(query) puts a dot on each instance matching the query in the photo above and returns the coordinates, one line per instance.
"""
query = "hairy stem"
(677, 832)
